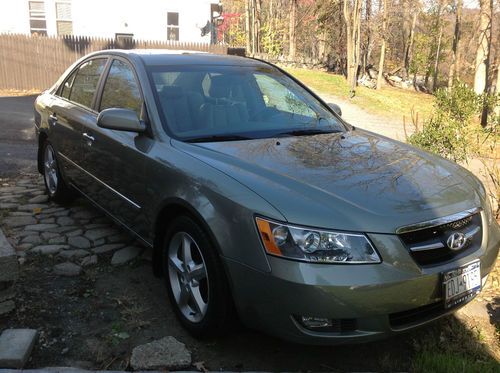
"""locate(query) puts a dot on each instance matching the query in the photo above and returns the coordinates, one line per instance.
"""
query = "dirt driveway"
(97, 315)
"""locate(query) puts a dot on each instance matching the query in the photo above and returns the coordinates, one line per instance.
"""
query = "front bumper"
(379, 299)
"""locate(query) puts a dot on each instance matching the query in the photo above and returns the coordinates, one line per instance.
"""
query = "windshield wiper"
(214, 138)
(306, 132)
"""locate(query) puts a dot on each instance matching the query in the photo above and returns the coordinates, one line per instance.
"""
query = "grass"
(387, 101)
(451, 363)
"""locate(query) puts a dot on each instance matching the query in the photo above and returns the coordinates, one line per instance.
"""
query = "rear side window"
(121, 89)
(66, 88)
(86, 80)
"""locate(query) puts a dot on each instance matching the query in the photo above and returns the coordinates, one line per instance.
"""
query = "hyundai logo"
(456, 241)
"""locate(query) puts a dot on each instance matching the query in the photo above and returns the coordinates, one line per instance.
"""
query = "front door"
(116, 158)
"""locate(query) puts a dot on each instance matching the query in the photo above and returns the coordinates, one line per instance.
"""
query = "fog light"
(315, 322)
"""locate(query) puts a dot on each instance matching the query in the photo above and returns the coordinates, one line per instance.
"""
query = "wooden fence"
(37, 62)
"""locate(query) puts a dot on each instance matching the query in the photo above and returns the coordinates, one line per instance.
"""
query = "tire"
(195, 279)
(56, 187)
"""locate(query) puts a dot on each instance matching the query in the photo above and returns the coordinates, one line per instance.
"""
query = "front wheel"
(54, 184)
(195, 279)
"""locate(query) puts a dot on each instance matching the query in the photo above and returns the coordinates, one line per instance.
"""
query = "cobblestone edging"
(77, 235)
(9, 273)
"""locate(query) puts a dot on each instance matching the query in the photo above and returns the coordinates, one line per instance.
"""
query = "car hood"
(351, 181)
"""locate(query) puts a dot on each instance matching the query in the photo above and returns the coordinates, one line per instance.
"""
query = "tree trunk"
(352, 16)
(256, 25)
(292, 50)
(247, 27)
(483, 50)
(409, 45)
(481, 78)
(382, 48)
(454, 72)
(436, 61)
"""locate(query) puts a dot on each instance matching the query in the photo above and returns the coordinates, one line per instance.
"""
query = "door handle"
(53, 119)
(90, 138)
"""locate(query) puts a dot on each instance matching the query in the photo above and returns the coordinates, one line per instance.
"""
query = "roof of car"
(158, 57)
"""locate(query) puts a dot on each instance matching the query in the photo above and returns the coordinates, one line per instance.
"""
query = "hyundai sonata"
(260, 201)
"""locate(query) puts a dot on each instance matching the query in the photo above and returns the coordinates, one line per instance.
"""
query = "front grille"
(416, 315)
(429, 246)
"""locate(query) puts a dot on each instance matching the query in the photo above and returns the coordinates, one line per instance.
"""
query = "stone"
(95, 234)
(40, 227)
(79, 242)
(107, 248)
(6, 307)
(19, 221)
(67, 269)
(125, 255)
(68, 254)
(49, 235)
(147, 255)
(77, 232)
(7, 294)
(64, 221)
(86, 214)
(16, 346)
(47, 221)
(9, 266)
(24, 246)
(58, 229)
(7, 206)
(89, 261)
(33, 239)
(57, 240)
(20, 213)
(39, 199)
(48, 249)
(31, 206)
(99, 242)
(163, 354)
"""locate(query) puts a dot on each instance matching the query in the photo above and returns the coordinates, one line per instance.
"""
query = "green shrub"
(449, 132)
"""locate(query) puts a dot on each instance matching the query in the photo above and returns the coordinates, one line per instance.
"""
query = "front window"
(216, 103)
(121, 89)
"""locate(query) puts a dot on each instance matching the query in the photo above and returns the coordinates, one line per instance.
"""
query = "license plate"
(461, 284)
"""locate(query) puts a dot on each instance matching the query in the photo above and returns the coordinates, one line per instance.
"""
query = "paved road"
(17, 137)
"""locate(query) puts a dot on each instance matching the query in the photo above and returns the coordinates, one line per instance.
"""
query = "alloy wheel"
(188, 277)
(50, 170)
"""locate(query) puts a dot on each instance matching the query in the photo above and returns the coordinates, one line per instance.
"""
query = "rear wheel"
(195, 279)
(54, 183)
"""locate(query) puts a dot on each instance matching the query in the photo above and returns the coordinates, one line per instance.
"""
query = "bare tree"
(436, 60)
(352, 17)
(292, 50)
(483, 49)
(455, 50)
(248, 30)
(382, 47)
(411, 37)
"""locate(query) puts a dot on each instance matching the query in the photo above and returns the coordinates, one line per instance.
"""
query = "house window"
(172, 26)
(64, 20)
(38, 24)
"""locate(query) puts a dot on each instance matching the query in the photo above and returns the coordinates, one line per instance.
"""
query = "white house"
(141, 19)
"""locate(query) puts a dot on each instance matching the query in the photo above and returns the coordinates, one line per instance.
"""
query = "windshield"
(222, 103)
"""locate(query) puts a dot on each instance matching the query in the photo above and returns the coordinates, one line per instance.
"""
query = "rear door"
(117, 159)
(71, 108)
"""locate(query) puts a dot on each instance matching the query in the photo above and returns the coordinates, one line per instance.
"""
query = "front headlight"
(315, 245)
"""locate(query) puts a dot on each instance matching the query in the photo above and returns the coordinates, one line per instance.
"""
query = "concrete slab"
(16, 346)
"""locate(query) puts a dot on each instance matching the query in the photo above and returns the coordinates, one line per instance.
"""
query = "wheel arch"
(169, 210)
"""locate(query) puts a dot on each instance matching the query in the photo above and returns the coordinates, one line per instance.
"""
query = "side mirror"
(121, 120)
(336, 108)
